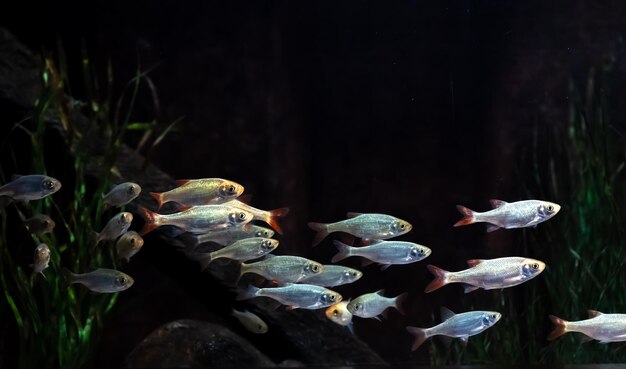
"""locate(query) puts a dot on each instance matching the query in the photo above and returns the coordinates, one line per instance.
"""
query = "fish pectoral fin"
(584, 339)
(291, 307)
(377, 318)
(492, 227)
(464, 340)
(384, 266)
(469, 288)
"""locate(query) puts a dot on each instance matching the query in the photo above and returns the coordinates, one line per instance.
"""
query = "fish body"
(365, 226)
(101, 280)
(122, 194)
(250, 321)
(460, 325)
(488, 274)
(198, 219)
(229, 235)
(371, 305)
(602, 327)
(128, 245)
(242, 250)
(30, 187)
(339, 313)
(519, 214)
(117, 226)
(267, 216)
(334, 275)
(283, 268)
(384, 252)
(205, 191)
(41, 258)
(303, 296)
(39, 224)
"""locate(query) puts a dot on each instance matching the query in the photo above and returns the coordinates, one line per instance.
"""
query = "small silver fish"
(242, 250)
(371, 305)
(30, 187)
(39, 224)
(339, 314)
(488, 274)
(198, 219)
(205, 191)
(385, 253)
(268, 217)
(283, 268)
(117, 226)
(602, 327)
(229, 235)
(519, 214)
(128, 245)
(460, 325)
(250, 321)
(303, 296)
(121, 194)
(101, 280)
(334, 275)
(41, 259)
(365, 226)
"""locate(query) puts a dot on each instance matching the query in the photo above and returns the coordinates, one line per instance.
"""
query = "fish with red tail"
(602, 327)
(205, 191)
(519, 214)
(373, 304)
(198, 219)
(268, 217)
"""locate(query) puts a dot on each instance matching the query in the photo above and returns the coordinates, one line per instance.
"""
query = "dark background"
(399, 107)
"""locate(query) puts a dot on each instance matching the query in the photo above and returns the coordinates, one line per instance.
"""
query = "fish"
(268, 217)
(121, 194)
(117, 226)
(229, 235)
(250, 321)
(283, 268)
(371, 305)
(198, 219)
(519, 214)
(128, 245)
(30, 187)
(385, 253)
(488, 274)
(41, 259)
(205, 191)
(339, 313)
(295, 296)
(365, 226)
(100, 280)
(454, 325)
(602, 327)
(334, 275)
(242, 250)
(39, 224)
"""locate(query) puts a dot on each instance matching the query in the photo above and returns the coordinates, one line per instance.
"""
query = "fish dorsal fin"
(353, 215)
(381, 292)
(15, 177)
(497, 203)
(473, 262)
(593, 313)
(446, 313)
(182, 182)
(246, 199)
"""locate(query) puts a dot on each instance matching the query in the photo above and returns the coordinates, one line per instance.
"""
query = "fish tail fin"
(420, 334)
(560, 327)
(247, 293)
(400, 300)
(276, 213)
(96, 238)
(151, 218)
(158, 196)
(343, 251)
(203, 258)
(441, 278)
(243, 269)
(468, 216)
(68, 277)
(322, 232)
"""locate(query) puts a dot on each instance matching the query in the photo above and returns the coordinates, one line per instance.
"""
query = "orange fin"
(347, 238)
(497, 203)
(322, 232)
(440, 278)
(158, 197)
(182, 207)
(246, 199)
(420, 336)
(593, 313)
(560, 328)
(468, 216)
(151, 220)
(182, 182)
(473, 262)
(351, 214)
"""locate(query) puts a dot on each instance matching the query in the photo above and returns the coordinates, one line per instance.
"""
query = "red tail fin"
(344, 251)
(560, 328)
(420, 336)
(400, 302)
(322, 232)
(151, 220)
(277, 213)
(158, 197)
(440, 278)
(468, 216)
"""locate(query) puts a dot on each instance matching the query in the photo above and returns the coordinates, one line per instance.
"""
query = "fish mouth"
(557, 208)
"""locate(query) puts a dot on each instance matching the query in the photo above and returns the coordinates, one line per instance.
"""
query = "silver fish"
(602, 327)
(519, 214)
(250, 321)
(128, 245)
(205, 191)
(101, 280)
(122, 194)
(456, 325)
(283, 268)
(488, 274)
(339, 314)
(39, 224)
(242, 250)
(267, 216)
(41, 258)
(30, 187)
(117, 226)
(385, 253)
(198, 219)
(365, 226)
(371, 305)
(304, 296)
(229, 235)
(334, 275)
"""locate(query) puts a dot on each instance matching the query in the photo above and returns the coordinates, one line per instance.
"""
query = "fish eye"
(242, 216)
(493, 316)
(315, 268)
(259, 327)
(266, 233)
(335, 313)
(550, 208)
(46, 223)
(332, 297)
(402, 226)
(132, 241)
(231, 189)
(358, 307)
(131, 189)
(535, 266)
(48, 184)
(354, 274)
(120, 281)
